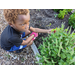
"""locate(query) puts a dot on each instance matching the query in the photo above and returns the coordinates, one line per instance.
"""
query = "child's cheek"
(27, 27)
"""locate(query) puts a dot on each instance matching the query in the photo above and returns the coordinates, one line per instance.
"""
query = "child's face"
(22, 22)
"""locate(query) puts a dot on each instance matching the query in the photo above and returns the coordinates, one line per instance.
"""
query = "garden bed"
(59, 48)
(41, 18)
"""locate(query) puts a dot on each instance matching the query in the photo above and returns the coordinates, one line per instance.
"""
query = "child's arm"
(38, 30)
(25, 42)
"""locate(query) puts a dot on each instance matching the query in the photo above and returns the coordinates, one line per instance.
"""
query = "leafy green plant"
(69, 10)
(55, 15)
(63, 13)
(71, 20)
(48, 25)
(38, 10)
(59, 48)
(57, 10)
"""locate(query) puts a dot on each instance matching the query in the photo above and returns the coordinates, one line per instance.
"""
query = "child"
(18, 27)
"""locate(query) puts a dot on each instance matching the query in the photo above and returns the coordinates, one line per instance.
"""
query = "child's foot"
(18, 51)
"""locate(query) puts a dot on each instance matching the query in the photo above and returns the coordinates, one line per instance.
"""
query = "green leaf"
(63, 55)
(73, 60)
(53, 62)
(70, 30)
(56, 43)
(61, 62)
(72, 52)
(62, 27)
(60, 47)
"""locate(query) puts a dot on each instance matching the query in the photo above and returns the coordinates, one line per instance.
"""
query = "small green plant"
(69, 10)
(71, 20)
(55, 15)
(57, 10)
(8, 56)
(59, 48)
(48, 25)
(63, 13)
(38, 10)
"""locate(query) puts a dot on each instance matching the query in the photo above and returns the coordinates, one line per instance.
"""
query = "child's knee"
(27, 33)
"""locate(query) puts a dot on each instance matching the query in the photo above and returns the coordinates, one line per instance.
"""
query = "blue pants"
(14, 48)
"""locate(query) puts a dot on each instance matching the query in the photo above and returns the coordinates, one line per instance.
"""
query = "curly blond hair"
(11, 14)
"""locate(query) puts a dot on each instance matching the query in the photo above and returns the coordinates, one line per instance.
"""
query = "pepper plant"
(58, 48)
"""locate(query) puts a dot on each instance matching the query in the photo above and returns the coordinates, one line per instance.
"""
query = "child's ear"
(10, 24)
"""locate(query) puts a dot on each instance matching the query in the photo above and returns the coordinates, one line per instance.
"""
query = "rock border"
(35, 50)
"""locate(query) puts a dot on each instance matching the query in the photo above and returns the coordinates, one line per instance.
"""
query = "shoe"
(18, 51)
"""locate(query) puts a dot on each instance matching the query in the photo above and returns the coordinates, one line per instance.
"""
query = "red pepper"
(54, 31)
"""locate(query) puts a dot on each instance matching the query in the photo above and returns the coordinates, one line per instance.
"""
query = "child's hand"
(49, 31)
(35, 35)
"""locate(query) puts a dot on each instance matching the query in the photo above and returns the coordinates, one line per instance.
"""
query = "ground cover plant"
(62, 12)
(48, 19)
(59, 48)
(57, 10)
(71, 20)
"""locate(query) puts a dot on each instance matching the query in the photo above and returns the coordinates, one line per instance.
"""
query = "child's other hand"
(35, 35)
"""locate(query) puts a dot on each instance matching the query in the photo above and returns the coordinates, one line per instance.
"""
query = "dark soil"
(40, 18)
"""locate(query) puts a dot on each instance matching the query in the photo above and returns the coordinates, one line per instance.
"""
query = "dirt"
(40, 18)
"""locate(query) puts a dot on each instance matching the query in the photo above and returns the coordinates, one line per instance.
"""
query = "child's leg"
(27, 33)
(14, 48)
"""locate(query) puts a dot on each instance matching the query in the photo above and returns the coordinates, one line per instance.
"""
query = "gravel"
(7, 58)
